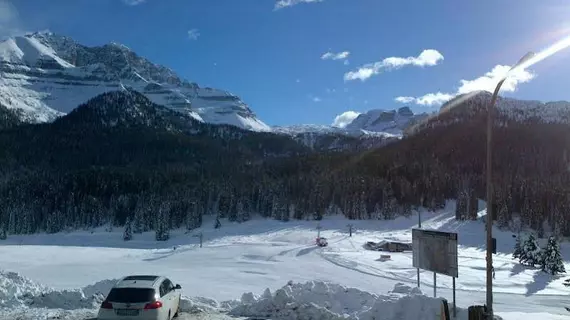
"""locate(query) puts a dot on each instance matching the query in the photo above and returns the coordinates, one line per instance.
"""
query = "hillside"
(446, 155)
(119, 155)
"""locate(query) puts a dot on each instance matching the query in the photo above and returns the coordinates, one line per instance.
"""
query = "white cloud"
(133, 2)
(298, 80)
(405, 99)
(193, 34)
(427, 58)
(345, 118)
(346, 62)
(430, 99)
(335, 56)
(317, 99)
(280, 4)
(487, 82)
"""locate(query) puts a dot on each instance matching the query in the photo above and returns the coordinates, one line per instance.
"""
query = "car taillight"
(106, 305)
(153, 305)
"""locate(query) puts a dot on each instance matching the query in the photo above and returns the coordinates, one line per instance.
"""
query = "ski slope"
(260, 254)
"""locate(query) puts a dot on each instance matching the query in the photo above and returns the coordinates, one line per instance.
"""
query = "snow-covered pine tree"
(377, 211)
(503, 218)
(530, 252)
(362, 210)
(461, 205)
(3, 233)
(292, 210)
(138, 218)
(284, 212)
(551, 260)
(407, 210)
(518, 249)
(162, 223)
(239, 211)
(389, 204)
(128, 233)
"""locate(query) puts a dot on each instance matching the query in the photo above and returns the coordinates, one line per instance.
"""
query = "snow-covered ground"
(260, 254)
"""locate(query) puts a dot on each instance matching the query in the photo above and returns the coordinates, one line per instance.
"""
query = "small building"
(390, 246)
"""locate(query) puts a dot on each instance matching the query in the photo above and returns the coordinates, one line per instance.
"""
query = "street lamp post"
(490, 213)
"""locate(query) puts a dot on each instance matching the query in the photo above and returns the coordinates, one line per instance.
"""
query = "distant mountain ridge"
(46, 75)
(376, 122)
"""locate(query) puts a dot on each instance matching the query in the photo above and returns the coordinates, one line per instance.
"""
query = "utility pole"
(489, 196)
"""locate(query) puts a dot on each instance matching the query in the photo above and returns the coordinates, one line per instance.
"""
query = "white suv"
(141, 297)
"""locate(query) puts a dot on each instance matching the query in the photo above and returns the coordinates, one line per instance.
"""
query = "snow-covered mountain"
(374, 123)
(323, 137)
(47, 75)
(391, 121)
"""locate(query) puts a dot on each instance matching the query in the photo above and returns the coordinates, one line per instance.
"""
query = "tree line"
(81, 172)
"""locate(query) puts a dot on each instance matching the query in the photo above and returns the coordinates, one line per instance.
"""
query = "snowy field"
(260, 254)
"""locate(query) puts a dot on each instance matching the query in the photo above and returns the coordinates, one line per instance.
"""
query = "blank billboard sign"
(435, 251)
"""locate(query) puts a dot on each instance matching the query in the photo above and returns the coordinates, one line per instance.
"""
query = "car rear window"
(131, 295)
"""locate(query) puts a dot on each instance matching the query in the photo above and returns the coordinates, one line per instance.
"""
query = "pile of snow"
(322, 300)
(17, 291)
(13, 287)
(206, 305)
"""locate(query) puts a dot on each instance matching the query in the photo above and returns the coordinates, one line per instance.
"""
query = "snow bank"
(312, 300)
(321, 300)
(17, 291)
(206, 305)
(102, 287)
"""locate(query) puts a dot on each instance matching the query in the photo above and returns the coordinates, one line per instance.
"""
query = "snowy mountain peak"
(46, 75)
(389, 121)
(405, 112)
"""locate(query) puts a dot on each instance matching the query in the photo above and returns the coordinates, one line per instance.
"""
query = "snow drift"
(312, 300)
(321, 300)
(17, 291)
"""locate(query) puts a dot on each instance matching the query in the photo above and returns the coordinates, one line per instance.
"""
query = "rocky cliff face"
(391, 121)
(46, 75)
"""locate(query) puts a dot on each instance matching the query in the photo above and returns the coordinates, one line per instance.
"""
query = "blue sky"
(273, 57)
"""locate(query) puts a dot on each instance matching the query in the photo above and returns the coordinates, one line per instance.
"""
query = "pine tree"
(407, 210)
(503, 218)
(461, 205)
(128, 233)
(138, 219)
(390, 204)
(377, 211)
(530, 252)
(518, 249)
(3, 235)
(292, 210)
(239, 211)
(162, 223)
(551, 260)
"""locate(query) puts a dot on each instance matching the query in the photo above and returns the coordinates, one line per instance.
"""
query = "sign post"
(454, 305)
(419, 226)
(435, 285)
(436, 251)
